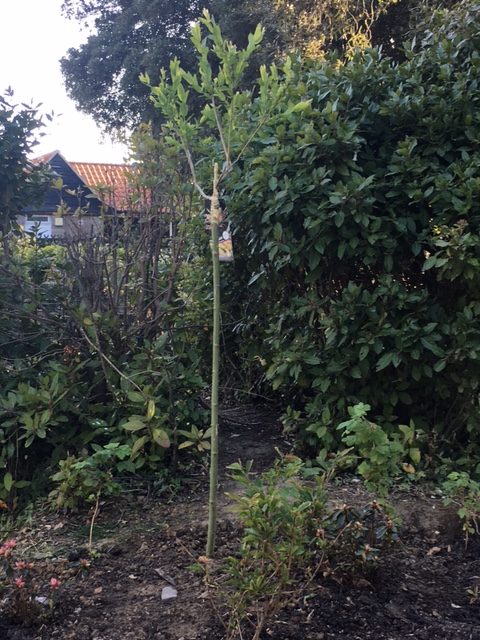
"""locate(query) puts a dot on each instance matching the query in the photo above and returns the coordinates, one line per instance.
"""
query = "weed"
(382, 457)
(464, 492)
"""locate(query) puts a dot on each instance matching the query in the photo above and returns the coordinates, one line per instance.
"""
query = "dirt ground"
(145, 544)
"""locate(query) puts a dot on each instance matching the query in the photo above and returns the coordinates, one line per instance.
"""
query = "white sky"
(33, 38)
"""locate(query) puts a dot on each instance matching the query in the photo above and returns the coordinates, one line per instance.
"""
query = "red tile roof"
(111, 182)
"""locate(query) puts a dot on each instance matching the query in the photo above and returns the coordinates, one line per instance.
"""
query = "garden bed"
(420, 589)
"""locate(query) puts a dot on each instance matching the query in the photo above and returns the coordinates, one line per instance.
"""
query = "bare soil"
(145, 544)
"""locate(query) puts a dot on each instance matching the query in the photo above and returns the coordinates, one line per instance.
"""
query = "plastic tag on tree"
(225, 245)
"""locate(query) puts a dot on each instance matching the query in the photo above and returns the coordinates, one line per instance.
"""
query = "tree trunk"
(215, 214)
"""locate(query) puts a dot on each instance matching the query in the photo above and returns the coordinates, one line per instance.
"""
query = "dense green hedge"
(357, 214)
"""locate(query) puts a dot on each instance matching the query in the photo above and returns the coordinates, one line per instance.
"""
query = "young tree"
(223, 120)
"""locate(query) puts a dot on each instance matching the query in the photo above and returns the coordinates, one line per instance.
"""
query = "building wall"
(71, 226)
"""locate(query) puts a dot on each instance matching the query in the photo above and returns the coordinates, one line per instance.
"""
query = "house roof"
(110, 182)
(74, 194)
(45, 158)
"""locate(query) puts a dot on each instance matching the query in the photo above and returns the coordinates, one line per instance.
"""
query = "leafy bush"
(87, 362)
(87, 477)
(357, 216)
(293, 540)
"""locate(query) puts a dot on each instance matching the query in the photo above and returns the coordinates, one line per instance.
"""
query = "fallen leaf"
(165, 576)
(433, 551)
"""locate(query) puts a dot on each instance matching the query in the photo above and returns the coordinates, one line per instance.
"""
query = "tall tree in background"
(130, 37)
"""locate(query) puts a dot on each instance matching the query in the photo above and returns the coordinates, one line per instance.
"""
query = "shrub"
(357, 216)
(80, 374)
(380, 458)
(292, 541)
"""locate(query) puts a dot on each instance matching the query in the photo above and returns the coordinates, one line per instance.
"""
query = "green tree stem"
(212, 499)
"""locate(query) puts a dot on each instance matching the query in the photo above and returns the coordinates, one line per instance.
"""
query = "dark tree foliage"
(142, 36)
(21, 182)
(405, 19)
(131, 36)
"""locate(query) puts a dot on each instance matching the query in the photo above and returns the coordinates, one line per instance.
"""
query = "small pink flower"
(54, 583)
(6, 548)
(19, 583)
(20, 565)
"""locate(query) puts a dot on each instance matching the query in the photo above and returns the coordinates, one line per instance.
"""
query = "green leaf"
(138, 446)
(134, 424)
(22, 484)
(135, 396)
(429, 263)
(300, 106)
(8, 481)
(415, 455)
(439, 365)
(160, 437)
(431, 346)
(150, 409)
(384, 361)
(339, 218)
(363, 353)
(396, 360)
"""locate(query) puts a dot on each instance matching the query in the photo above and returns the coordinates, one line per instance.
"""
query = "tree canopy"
(142, 36)
(131, 36)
